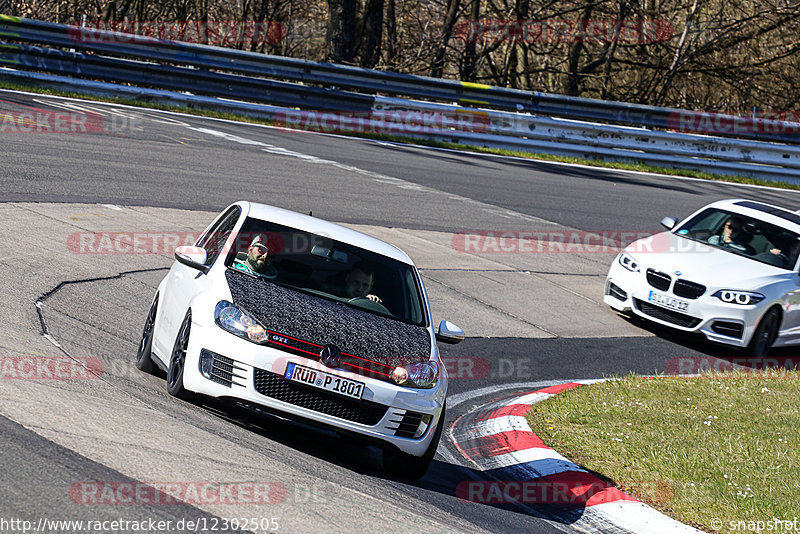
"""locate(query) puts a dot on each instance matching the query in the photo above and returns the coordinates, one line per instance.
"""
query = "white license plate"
(321, 380)
(667, 301)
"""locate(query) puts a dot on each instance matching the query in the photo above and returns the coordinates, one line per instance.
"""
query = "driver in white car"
(731, 236)
(358, 283)
(257, 261)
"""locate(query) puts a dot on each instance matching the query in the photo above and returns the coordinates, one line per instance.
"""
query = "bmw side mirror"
(194, 257)
(449, 333)
(669, 222)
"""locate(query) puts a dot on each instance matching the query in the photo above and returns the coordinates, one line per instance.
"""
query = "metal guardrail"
(374, 81)
(175, 78)
(550, 135)
(236, 78)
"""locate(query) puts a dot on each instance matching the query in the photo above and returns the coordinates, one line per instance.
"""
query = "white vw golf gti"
(729, 271)
(306, 318)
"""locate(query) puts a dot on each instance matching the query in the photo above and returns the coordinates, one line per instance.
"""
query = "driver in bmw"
(258, 261)
(731, 236)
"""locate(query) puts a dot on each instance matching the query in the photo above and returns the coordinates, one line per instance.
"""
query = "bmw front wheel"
(765, 334)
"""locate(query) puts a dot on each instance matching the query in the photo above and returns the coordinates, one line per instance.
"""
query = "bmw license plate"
(321, 380)
(667, 301)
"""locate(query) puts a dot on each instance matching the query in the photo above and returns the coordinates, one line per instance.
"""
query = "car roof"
(318, 226)
(776, 215)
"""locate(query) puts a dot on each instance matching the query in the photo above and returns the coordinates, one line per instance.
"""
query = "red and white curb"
(520, 469)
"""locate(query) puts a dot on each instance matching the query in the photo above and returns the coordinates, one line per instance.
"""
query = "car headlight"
(629, 262)
(416, 375)
(743, 298)
(237, 321)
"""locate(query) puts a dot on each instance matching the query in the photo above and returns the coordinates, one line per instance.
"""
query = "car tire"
(404, 465)
(177, 359)
(765, 334)
(144, 360)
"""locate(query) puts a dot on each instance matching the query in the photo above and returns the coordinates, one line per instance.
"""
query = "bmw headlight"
(416, 375)
(629, 262)
(743, 298)
(239, 322)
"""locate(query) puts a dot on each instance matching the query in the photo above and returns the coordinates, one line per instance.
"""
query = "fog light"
(399, 375)
(423, 425)
(206, 363)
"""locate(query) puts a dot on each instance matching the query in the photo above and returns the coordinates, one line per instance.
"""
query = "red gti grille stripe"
(320, 346)
(366, 360)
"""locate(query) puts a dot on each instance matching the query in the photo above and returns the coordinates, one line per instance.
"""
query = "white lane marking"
(380, 178)
(67, 105)
(83, 108)
(112, 207)
(635, 516)
(130, 115)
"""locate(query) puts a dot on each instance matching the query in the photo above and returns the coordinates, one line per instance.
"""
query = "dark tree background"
(724, 55)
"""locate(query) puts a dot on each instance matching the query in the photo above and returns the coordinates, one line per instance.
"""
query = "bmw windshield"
(327, 268)
(744, 236)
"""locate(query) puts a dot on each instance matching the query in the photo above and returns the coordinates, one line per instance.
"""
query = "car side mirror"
(669, 222)
(194, 257)
(449, 333)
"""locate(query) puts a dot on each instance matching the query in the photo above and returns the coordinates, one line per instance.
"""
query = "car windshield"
(329, 269)
(744, 236)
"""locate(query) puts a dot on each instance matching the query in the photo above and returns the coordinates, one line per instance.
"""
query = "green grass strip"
(710, 451)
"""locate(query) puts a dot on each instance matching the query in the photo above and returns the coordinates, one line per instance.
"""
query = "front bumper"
(730, 324)
(254, 374)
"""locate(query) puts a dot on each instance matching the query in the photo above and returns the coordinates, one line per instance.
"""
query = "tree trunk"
(469, 64)
(341, 33)
(372, 33)
(673, 68)
(391, 35)
(437, 66)
(611, 49)
(574, 52)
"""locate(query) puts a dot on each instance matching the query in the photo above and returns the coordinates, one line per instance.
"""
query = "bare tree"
(391, 34)
(437, 66)
(371, 33)
(341, 34)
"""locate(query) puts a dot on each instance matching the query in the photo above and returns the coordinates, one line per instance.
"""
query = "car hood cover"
(317, 320)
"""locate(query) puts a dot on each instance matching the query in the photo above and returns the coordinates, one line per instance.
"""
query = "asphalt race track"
(531, 317)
